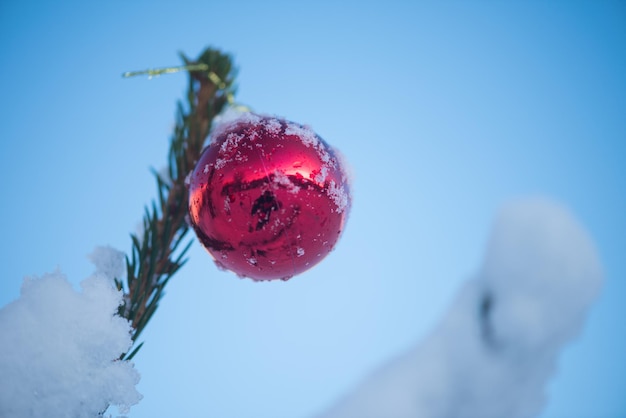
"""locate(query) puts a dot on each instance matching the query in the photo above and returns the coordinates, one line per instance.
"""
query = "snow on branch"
(496, 348)
(60, 349)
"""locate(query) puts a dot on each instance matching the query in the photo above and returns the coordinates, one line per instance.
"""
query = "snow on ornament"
(268, 198)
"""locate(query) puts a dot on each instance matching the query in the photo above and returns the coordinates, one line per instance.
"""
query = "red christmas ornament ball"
(268, 198)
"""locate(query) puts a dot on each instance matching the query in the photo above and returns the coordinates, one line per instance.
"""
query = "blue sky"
(445, 110)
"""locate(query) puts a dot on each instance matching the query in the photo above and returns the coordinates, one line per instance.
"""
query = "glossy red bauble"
(268, 198)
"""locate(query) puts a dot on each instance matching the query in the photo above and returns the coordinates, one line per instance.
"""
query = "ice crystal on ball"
(269, 198)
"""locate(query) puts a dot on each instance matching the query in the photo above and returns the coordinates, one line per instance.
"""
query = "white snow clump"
(229, 117)
(60, 349)
(498, 344)
(108, 261)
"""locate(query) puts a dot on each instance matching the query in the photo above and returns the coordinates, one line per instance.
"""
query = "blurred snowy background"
(446, 111)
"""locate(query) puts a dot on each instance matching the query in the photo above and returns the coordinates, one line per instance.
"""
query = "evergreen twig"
(158, 253)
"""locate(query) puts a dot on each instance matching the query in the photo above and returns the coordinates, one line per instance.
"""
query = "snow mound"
(498, 344)
(60, 349)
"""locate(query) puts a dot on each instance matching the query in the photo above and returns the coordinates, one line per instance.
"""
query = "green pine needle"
(155, 255)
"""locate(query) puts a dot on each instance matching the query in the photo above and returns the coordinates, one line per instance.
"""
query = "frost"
(310, 139)
(347, 171)
(321, 176)
(339, 195)
(306, 134)
(220, 162)
(241, 158)
(273, 126)
(228, 148)
(231, 143)
(60, 349)
(281, 179)
(230, 117)
(496, 348)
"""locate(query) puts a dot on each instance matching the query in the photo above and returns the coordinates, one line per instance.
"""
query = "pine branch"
(159, 252)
